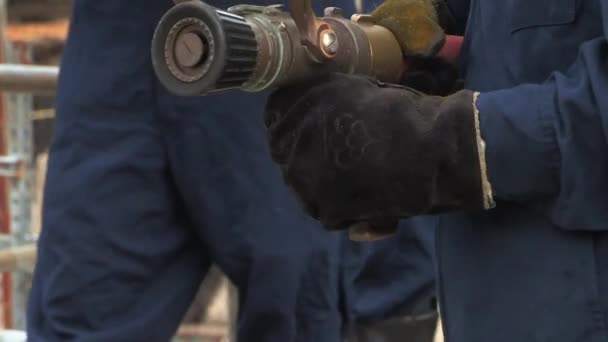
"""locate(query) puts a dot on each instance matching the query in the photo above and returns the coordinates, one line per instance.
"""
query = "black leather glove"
(432, 76)
(354, 149)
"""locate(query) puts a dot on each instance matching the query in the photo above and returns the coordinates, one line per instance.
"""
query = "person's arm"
(546, 144)
(382, 151)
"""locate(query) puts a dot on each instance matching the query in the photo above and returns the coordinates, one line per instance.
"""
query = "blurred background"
(33, 34)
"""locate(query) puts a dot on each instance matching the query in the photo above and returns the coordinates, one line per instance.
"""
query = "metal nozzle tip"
(189, 49)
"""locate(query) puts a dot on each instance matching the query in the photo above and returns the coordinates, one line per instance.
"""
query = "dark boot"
(418, 328)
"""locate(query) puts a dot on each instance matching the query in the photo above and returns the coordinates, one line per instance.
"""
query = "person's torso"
(509, 274)
(518, 41)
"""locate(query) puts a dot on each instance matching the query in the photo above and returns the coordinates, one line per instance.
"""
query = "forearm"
(546, 144)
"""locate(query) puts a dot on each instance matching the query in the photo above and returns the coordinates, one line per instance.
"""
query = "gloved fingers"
(432, 75)
(281, 101)
(298, 119)
(426, 40)
(283, 134)
(316, 110)
(414, 23)
(284, 98)
(285, 117)
(421, 81)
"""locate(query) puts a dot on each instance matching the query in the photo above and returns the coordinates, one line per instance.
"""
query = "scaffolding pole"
(33, 79)
(17, 258)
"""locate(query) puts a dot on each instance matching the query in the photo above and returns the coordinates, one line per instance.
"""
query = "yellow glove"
(414, 23)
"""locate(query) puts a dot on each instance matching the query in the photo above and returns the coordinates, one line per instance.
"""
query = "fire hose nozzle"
(198, 49)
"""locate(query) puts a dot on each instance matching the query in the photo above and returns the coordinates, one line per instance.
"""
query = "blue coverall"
(392, 277)
(145, 190)
(534, 268)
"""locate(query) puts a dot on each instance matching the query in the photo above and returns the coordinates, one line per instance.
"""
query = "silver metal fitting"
(12, 166)
(329, 42)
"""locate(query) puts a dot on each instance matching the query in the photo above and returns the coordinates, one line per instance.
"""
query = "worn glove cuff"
(486, 187)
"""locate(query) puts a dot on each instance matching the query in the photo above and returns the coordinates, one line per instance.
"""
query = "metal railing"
(33, 79)
(17, 258)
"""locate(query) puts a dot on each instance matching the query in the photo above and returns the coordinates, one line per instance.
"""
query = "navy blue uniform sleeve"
(546, 144)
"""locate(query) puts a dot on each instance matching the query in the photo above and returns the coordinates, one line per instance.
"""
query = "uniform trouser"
(141, 199)
(390, 285)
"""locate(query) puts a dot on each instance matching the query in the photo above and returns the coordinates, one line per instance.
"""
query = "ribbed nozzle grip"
(241, 51)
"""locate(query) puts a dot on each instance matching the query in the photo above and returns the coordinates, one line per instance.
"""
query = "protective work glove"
(417, 24)
(432, 76)
(354, 149)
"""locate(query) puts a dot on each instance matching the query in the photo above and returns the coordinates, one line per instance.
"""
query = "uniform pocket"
(528, 14)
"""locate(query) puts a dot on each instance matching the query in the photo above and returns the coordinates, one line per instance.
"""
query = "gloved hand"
(432, 76)
(416, 24)
(354, 149)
